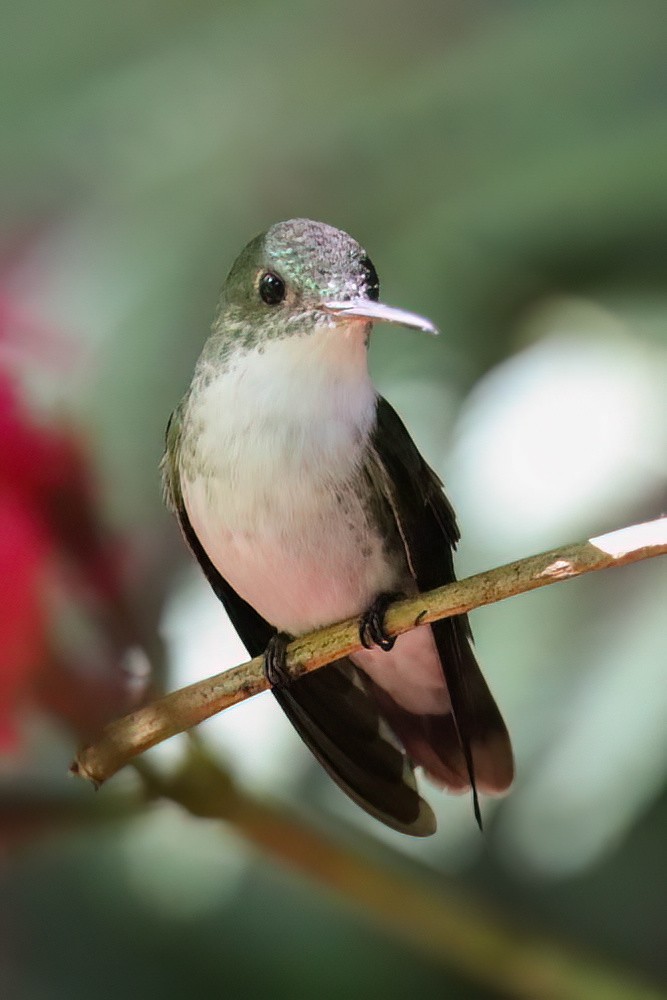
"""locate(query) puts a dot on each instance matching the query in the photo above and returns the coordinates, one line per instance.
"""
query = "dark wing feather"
(340, 722)
(331, 709)
(471, 746)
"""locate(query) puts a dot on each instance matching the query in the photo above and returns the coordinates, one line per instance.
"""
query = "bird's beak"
(379, 313)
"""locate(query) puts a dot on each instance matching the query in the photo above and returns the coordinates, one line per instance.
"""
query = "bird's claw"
(275, 658)
(371, 624)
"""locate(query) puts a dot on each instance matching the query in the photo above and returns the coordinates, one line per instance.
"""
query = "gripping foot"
(371, 624)
(275, 656)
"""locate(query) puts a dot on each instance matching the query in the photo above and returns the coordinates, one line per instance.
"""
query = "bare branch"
(125, 738)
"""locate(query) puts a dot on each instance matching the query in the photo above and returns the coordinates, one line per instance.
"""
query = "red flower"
(23, 555)
(24, 552)
(51, 536)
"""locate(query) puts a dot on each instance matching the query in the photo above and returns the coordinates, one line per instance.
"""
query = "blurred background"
(505, 165)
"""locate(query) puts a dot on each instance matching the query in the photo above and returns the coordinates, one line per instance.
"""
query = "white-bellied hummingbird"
(306, 502)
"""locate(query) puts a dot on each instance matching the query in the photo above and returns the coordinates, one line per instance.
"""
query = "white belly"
(299, 568)
(323, 571)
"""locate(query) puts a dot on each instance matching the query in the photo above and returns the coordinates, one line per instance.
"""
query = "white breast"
(276, 442)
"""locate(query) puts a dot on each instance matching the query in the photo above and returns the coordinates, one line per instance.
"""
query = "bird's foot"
(275, 657)
(371, 624)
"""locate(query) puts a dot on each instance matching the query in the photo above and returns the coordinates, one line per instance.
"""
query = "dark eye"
(271, 289)
(371, 278)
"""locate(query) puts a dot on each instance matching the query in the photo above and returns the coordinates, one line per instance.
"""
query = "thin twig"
(124, 739)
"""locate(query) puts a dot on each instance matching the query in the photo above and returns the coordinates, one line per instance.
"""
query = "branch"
(432, 916)
(125, 738)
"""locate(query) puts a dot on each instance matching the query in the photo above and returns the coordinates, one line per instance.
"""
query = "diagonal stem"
(125, 738)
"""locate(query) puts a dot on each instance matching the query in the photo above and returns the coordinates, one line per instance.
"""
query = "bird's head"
(299, 277)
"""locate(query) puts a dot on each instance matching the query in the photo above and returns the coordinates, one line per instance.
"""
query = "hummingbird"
(305, 501)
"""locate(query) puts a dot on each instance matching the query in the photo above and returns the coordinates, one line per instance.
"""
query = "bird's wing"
(470, 746)
(331, 709)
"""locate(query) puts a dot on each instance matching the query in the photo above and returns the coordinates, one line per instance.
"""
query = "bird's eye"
(371, 278)
(271, 289)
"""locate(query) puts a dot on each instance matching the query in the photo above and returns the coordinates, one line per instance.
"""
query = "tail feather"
(468, 747)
